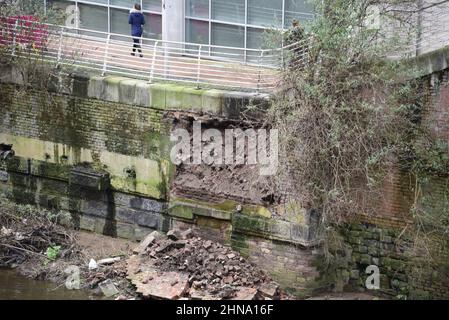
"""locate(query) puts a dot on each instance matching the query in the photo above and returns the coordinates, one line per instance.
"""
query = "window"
(197, 8)
(300, 10)
(153, 26)
(228, 11)
(197, 31)
(109, 16)
(228, 35)
(152, 5)
(123, 3)
(265, 13)
(93, 17)
(119, 21)
(97, 1)
(240, 23)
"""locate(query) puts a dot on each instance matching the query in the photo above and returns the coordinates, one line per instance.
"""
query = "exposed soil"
(238, 183)
(242, 183)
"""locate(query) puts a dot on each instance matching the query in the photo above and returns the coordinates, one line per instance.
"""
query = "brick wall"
(112, 126)
(292, 266)
(409, 246)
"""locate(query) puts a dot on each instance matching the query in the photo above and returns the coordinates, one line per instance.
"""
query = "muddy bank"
(34, 243)
(37, 246)
(179, 265)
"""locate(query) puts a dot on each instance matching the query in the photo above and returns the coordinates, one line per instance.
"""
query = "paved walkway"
(158, 65)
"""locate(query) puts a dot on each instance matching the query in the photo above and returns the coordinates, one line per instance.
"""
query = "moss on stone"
(180, 211)
(157, 96)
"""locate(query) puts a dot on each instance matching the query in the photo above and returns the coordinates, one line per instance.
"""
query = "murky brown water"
(16, 287)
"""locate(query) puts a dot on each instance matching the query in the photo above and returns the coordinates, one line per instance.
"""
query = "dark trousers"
(136, 45)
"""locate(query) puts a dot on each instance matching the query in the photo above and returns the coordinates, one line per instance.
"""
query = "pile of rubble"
(181, 265)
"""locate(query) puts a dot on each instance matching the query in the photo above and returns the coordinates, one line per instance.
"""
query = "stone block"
(181, 211)
(125, 231)
(94, 208)
(87, 223)
(80, 85)
(365, 259)
(192, 99)
(141, 232)
(372, 250)
(147, 204)
(279, 229)
(300, 233)
(149, 220)
(212, 102)
(88, 178)
(112, 88)
(355, 274)
(96, 87)
(49, 170)
(142, 94)
(157, 96)
(244, 223)
(127, 91)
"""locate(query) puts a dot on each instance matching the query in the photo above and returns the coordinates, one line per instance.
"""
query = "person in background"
(136, 20)
(295, 33)
(297, 52)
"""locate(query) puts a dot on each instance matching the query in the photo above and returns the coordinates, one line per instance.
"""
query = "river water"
(16, 287)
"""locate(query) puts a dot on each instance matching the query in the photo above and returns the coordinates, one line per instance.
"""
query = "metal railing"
(111, 54)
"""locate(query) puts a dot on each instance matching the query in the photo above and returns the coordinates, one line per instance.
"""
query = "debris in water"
(108, 288)
(92, 264)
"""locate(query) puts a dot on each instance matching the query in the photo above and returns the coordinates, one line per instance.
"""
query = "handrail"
(109, 53)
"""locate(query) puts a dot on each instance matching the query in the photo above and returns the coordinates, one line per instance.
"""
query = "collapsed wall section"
(99, 148)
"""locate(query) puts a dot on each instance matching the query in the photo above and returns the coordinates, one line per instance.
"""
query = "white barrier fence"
(108, 53)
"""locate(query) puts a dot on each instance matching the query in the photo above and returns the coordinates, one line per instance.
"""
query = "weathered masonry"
(412, 265)
(99, 149)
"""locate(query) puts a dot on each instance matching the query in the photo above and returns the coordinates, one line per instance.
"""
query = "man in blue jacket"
(136, 20)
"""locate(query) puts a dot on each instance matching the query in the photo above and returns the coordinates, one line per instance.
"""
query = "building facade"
(232, 23)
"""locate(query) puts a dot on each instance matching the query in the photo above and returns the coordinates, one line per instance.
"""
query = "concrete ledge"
(280, 230)
(163, 96)
(434, 61)
(173, 97)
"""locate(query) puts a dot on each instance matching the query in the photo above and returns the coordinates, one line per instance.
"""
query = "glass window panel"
(96, 1)
(119, 21)
(124, 3)
(230, 36)
(197, 31)
(153, 26)
(62, 13)
(93, 17)
(300, 10)
(229, 10)
(197, 8)
(265, 12)
(255, 38)
(152, 5)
